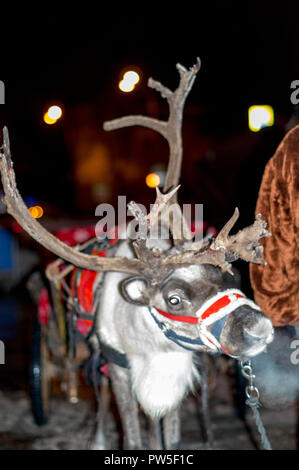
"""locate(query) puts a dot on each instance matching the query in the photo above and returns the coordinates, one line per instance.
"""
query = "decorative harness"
(212, 314)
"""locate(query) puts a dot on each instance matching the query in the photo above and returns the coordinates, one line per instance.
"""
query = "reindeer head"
(184, 290)
(198, 311)
(180, 284)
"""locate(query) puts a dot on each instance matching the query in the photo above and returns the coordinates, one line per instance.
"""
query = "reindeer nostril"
(250, 334)
(259, 334)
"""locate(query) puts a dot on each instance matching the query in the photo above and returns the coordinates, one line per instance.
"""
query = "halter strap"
(181, 318)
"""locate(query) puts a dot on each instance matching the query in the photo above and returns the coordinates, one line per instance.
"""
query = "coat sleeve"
(276, 285)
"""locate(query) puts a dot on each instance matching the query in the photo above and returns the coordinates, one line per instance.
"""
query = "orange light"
(48, 119)
(36, 211)
(152, 180)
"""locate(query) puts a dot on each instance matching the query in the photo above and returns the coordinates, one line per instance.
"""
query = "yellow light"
(129, 80)
(126, 86)
(152, 180)
(259, 117)
(55, 112)
(131, 77)
(36, 211)
(48, 119)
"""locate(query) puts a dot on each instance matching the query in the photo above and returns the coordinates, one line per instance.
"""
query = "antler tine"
(187, 77)
(17, 208)
(160, 203)
(246, 243)
(151, 259)
(222, 237)
(146, 222)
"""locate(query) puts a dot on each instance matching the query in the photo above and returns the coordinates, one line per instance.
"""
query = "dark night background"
(75, 57)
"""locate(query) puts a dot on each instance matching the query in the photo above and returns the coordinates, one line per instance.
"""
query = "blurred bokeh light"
(129, 80)
(36, 212)
(52, 115)
(260, 117)
(152, 180)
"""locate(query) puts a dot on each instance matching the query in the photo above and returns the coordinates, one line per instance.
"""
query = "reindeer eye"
(174, 300)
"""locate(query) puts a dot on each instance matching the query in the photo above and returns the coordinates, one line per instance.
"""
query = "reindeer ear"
(134, 289)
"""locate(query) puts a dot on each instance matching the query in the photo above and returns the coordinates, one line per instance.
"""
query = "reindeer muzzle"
(209, 320)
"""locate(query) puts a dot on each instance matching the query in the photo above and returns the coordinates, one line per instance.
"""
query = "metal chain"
(253, 396)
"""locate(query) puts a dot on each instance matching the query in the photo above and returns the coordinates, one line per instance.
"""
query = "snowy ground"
(72, 426)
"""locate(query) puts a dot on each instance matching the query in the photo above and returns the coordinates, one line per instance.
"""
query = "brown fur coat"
(276, 285)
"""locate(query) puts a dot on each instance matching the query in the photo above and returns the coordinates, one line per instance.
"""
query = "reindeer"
(163, 300)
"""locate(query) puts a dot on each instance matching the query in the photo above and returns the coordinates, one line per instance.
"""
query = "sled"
(64, 342)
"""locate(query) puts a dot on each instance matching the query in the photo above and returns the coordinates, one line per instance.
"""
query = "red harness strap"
(214, 308)
(82, 286)
(181, 318)
(218, 305)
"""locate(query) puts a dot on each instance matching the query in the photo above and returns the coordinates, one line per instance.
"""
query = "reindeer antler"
(171, 131)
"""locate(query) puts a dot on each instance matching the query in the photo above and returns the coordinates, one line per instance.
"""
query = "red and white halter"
(210, 313)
